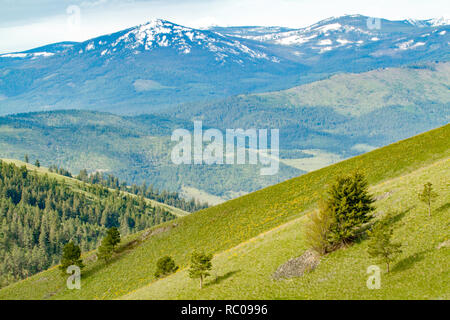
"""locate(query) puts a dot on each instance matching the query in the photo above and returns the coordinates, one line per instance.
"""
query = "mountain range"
(160, 64)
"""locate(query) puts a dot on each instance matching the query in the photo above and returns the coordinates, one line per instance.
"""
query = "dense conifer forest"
(110, 181)
(39, 214)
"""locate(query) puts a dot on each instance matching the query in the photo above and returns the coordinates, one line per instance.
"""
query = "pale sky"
(25, 24)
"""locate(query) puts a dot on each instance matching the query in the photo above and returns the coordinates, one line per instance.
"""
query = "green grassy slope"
(228, 225)
(74, 182)
(421, 272)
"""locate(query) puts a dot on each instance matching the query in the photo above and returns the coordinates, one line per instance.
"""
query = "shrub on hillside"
(317, 230)
(340, 217)
(165, 266)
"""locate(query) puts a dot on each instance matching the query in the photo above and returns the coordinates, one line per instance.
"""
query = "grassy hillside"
(421, 272)
(276, 211)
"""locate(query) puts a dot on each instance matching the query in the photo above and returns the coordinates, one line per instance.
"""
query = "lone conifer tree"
(381, 245)
(427, 196)
(350, 204)
(200, 266)
(71, 256)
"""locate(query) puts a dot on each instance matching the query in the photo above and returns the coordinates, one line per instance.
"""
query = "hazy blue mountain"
(138, 70)
(356, 43)
(160, 64)
(345, 28)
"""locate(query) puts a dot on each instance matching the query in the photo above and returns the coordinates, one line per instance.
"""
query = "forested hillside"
(161, 64)
(40, 213)
(133, 149)
(170, 198)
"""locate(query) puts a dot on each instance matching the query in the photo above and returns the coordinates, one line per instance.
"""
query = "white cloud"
(95, 3)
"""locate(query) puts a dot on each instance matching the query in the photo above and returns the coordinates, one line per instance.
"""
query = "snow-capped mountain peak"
(244, 45)
(339, 30)
(435, 22)
(350, 32)
(160, 61)
(161, 34)
(158, 34)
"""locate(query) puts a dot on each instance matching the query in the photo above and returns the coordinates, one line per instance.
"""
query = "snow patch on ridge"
(33, 55)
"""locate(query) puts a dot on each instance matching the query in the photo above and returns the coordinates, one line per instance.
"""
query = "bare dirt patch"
(149, 233)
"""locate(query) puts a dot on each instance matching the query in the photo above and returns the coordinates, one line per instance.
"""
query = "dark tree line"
(60, 171)
(39, 215)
